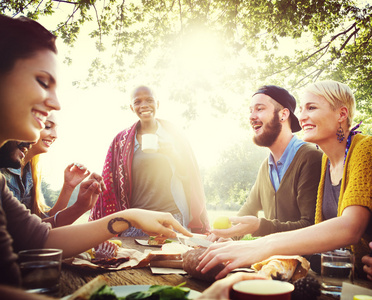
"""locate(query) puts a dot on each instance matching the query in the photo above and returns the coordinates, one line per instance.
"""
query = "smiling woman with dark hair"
(27, 97)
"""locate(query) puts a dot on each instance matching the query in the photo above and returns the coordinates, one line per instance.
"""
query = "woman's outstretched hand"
(154, 222)
(74, 174)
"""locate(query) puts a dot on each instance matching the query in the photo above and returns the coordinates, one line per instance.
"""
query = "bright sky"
(90, 119)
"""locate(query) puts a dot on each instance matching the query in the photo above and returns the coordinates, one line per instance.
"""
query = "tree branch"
(99, 24)
(180, 12)
(121, 25)
(64, 24)
(16, 13)
(348, 39)
(326, 47)
(68, 2)
(308, 75)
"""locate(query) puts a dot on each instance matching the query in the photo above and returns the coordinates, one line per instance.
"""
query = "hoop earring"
(340, 134)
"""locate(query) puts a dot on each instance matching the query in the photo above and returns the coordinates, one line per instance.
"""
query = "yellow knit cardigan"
(356, 187)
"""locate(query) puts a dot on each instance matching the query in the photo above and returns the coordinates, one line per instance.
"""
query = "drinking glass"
(40, 270)
(337, 266)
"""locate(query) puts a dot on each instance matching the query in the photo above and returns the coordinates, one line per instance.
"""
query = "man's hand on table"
(243, 225)
(367, 261)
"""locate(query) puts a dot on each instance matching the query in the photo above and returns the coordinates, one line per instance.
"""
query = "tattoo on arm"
(112, 221)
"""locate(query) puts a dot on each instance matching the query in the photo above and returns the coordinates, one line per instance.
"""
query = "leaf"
(161, 292)
(104, 293)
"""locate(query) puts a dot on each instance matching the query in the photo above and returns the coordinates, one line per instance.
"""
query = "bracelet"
(55, 219)
(112, 221)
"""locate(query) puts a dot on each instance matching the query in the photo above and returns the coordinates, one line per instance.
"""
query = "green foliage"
(50, 196)
(249, 237)
(160, 292)
(227, 185)
(329, 39)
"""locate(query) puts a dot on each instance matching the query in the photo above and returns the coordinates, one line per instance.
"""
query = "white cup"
(150, 143)
(258, 289)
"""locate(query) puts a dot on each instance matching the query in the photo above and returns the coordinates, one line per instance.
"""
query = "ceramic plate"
(146, 243)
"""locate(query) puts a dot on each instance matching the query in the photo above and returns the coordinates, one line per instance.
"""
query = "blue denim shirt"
(277, 171)
(21, 189)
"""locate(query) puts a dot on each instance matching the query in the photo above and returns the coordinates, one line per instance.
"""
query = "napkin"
(136, 259)
(157, 270)
(349, 290)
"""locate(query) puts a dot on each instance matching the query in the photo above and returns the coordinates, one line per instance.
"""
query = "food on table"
(171, 251)
(222, 222)
(105, 254)
(158, 240)
(306, 288)
(170, 263)
(191, 261)
(117, 242)
(106, 250)
(286, 268)
(87, 290)
(109, 262)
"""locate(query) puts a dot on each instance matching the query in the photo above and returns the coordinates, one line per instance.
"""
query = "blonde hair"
(38, 202)
(337, 94)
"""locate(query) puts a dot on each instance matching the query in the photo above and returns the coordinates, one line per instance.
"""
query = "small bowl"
(261, 290)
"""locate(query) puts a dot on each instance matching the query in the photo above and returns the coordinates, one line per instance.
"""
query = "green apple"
(221, 223)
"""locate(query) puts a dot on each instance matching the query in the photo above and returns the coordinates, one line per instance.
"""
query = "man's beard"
(270, 133)
(8, 152)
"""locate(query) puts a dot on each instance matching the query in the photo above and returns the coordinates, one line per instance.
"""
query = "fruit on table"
(221, 223)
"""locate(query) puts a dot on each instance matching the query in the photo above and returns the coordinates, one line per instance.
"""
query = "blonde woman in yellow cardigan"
(327, 110)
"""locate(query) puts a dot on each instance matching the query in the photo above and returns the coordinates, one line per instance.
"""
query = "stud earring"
(340, 134)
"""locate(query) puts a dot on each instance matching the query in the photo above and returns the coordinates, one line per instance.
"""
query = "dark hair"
(141, 87)
(20, 38)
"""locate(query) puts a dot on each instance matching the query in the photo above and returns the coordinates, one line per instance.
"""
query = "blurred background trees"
(211, 55)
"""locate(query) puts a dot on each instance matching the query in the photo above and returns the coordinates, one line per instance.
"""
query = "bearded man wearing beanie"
(287, 182)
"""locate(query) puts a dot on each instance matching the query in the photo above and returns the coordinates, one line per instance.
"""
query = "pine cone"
(306, 288)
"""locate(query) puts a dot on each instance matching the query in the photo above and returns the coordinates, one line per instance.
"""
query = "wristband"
(55, 219)
(112, 221)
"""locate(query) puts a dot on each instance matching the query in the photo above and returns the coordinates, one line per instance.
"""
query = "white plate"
(146, 243)
(125, 290)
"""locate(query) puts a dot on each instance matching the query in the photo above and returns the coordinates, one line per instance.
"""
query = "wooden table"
(73, 277)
